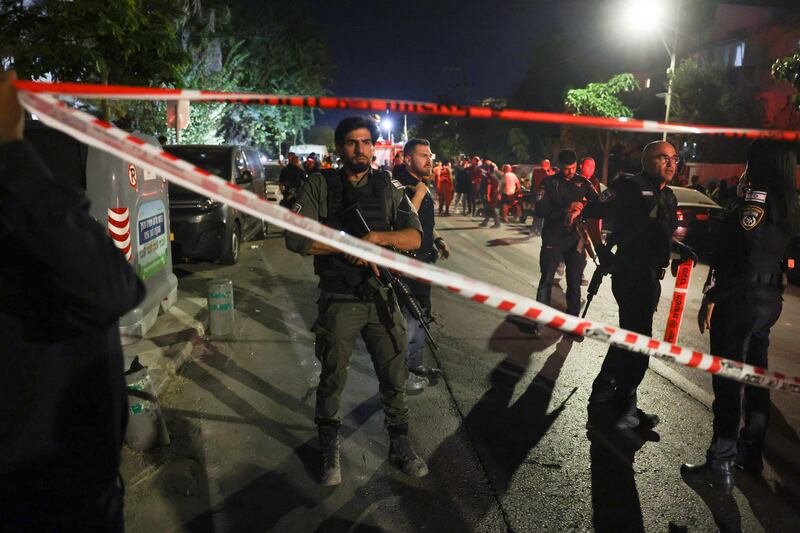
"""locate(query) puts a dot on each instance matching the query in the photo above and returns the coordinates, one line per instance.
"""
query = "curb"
(169, 345)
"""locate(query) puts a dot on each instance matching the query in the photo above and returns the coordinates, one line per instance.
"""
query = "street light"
(386, 124)
(645, 17)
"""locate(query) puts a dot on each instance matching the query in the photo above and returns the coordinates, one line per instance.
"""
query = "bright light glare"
(643, 16)
(386, 124)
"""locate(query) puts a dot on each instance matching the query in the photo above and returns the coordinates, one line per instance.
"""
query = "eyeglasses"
(663, 158)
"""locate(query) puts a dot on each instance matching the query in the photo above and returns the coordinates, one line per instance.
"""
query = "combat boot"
(717, 474)
(403, 455)
(331, 468)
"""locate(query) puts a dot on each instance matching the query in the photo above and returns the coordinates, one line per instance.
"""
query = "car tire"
(230, 254)
(263, 230)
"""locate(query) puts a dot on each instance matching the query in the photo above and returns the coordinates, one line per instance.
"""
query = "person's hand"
(357, 261)
(704, 315)
(574, 210)
(12, 119)
(420, 189)
(444, 250)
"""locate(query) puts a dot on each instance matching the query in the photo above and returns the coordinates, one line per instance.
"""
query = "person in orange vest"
(446, 189)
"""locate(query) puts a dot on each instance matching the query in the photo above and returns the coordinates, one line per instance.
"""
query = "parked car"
(209, 230)
(698, 219)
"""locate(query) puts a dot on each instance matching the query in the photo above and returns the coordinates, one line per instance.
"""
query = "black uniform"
(747, 284)
(63, 406)
(644, 220)
(292, 178)
(559, 241)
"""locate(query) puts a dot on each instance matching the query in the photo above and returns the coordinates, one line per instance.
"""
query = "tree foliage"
(788, 69)
(204, 44)
(601, 99)
(709, 93)
(598, 100)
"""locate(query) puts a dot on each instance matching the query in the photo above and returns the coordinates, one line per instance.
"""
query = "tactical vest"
(335, 272)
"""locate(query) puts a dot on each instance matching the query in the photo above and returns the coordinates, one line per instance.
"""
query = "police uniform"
(351, 303)
(644, 220)
(746, 289)
(559, 241)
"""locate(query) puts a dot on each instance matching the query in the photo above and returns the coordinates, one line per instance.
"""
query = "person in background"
(696, 184)
(476, 178)
(490, 193)
(509, 187)
(445, 189)
(65, 405)
(742, 301)
(712, 187)
(537, 190)
(291, 179)
(462, 185)
(586, 170)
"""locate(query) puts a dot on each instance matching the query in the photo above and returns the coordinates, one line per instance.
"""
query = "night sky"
(463, 51)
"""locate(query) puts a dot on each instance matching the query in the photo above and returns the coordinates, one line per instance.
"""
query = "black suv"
(206, 229)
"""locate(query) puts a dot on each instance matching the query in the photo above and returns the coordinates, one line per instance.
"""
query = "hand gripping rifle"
(387, 277)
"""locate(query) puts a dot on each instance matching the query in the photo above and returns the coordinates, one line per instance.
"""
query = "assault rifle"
(387, 278)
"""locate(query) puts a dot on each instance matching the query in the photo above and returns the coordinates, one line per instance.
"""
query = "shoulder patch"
(607, 195)
(645, 192)
(750, 217)
(397, 184)
(755, 196)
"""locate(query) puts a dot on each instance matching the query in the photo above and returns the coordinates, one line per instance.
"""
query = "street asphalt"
(503, 432)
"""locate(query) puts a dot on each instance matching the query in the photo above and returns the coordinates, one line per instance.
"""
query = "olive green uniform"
(369, 310)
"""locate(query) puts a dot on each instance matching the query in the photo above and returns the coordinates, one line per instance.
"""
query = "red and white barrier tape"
(106, 137)
(122, 92)
(675, 316)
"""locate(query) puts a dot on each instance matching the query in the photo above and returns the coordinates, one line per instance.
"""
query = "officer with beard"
(352, 301)
(417, 167)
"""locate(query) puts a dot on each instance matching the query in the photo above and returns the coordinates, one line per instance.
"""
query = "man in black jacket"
(417, 166)
(63, 408)
(564, 196)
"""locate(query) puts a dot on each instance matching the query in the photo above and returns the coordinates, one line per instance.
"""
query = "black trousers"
(637, 292)
(740, 327)
(552, 253)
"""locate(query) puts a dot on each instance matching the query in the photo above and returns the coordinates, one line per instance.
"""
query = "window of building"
(738, 54)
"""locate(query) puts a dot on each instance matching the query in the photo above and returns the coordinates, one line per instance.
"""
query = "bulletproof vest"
(336, 274)
(647, 242)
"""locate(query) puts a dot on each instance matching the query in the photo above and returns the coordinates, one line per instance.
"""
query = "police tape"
(104, 136)
(124, 92)
(682, 278)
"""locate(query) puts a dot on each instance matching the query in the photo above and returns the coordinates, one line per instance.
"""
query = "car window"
(690, 196)
(254, 163)
(239, 162)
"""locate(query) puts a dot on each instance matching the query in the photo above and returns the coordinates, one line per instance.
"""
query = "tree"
(601, 100)
(788, 69)
(709, 93)
(96, 41)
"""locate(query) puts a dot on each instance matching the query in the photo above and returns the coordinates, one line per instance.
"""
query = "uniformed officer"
(742, 302)
(352, 301)
(564, 196)
(644, 211)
